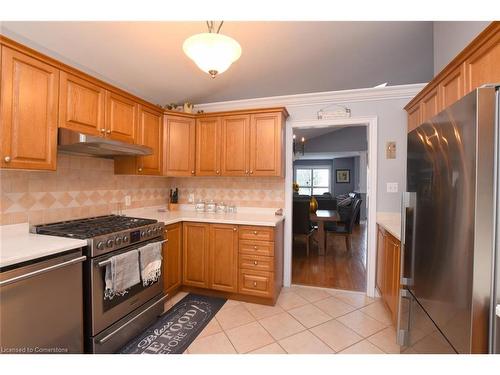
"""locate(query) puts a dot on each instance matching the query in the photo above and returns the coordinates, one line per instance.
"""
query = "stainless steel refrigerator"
(450, 282)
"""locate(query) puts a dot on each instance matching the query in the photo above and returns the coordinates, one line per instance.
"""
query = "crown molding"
(319, 98)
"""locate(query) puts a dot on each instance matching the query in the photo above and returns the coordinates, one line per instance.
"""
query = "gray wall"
(346, 139)
(344, 163)
(450, 37)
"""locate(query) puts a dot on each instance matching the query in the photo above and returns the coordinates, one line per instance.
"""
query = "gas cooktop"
(92, 227)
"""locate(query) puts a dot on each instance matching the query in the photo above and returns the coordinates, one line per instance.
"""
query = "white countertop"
(244, 216)
(18, 245)
(391, 221)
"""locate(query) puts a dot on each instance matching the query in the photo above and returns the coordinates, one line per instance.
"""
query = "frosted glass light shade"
(213, 53)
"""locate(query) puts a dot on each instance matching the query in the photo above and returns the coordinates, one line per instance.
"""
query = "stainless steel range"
(111, 323)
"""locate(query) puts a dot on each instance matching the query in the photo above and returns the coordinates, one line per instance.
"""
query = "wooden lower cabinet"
(223, 257)
(220, 258)
(172, 258)
(195, 252)
(388, 270)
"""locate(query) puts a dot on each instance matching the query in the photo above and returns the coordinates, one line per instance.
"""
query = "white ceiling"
(278, 58)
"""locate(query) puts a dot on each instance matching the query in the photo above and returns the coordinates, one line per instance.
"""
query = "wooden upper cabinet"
(28, 112)
(179, 149)
(208, 146)
(452, 87)
(266, 144)
(235, 153)
(484, 65)
(150, 133)
(429, 105)
(414, 118)
(195, 238)
(224, 257)
(121, 117)
(81, 105)
(477, 64)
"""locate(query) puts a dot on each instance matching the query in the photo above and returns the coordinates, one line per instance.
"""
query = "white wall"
(385, 103)
(451, 37)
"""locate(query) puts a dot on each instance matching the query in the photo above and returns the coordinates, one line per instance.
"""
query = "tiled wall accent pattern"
(240, 191)
(86, 186)
(81, 187)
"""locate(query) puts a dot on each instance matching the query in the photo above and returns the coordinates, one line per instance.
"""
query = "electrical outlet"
(128, 200)
(191, 198)
(392, 187)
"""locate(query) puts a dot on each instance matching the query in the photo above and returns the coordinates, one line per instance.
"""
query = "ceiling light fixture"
(212, 52)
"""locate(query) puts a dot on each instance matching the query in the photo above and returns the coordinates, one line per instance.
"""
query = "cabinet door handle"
(255, 283)
(7, 159)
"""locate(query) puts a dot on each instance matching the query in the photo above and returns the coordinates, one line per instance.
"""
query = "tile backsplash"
(81, 187)
(87, 186)
(266, 192)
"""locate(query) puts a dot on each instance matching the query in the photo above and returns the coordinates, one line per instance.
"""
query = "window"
(315, 180)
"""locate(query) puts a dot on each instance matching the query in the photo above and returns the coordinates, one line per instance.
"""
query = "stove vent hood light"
(78, 143)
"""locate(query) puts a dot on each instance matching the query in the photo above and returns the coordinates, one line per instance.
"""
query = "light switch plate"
(191, 198)
(392, 187)
(128, 200)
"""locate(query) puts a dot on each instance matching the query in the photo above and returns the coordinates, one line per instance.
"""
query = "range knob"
(118, 240)
(100, 245)
(150, 232)
(143, 233)
(155, 230)
(125, 238)
(109, 243)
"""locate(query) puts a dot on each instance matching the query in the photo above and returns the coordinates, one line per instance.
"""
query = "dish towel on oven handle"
(122, 272)
(150, 261)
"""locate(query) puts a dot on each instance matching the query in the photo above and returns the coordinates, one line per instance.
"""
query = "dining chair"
(344, 228)
(302, 226)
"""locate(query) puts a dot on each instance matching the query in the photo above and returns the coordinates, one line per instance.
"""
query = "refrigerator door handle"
(408, 214)
(403, 329)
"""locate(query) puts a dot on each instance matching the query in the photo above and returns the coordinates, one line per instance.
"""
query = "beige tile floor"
(305, 320)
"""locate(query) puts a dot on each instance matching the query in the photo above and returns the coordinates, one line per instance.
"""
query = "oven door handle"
(108, 261)
(108, 336)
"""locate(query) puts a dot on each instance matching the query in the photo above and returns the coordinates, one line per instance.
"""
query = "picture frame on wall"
(342, 176)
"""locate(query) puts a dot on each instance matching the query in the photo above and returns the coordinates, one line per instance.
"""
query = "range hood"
(79, 143)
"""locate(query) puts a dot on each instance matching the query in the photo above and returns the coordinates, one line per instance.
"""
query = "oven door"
(105, 312)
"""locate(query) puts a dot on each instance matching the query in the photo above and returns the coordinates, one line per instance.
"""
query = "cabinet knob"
(192, 172)
(255, 262)
(108, 131)
(7, 159)
(140, 169)
(246, 171)
(255, 232)
(235, 229)
(255, 283)
(217, 172)
(251, 172)
(103, 131)
(255, 247)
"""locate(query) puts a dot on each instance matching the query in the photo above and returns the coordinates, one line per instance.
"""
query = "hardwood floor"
(337, 269)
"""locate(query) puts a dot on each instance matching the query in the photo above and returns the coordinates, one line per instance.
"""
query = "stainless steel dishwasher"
(41, 305)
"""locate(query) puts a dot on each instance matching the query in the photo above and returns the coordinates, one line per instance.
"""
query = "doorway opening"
(329, 165)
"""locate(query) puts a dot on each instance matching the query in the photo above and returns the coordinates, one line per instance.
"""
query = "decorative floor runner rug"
(177, 328)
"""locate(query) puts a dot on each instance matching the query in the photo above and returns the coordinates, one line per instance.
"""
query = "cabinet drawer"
(255, 262)
(257, 248)
(257, 283)
(257, 233)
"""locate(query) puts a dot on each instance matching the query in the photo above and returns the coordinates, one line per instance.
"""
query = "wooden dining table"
(320, 216)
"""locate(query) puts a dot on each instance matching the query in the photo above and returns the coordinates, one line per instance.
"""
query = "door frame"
(371, 182)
